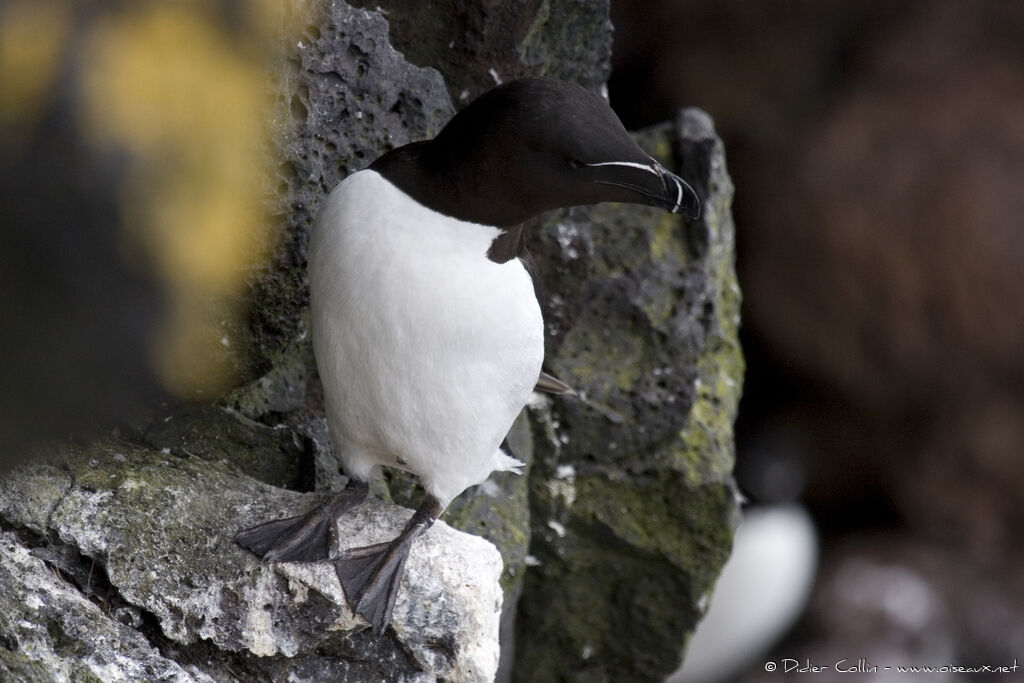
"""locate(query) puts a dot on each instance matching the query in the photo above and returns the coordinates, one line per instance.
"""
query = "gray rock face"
(476, 44)
(344, 96)
(147, 537)
(51, 631)
(631, 495)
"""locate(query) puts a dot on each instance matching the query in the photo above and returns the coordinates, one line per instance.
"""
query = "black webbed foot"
(372, 575)
(303, 538)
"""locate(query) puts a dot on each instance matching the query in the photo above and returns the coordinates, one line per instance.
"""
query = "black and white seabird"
(426, 327)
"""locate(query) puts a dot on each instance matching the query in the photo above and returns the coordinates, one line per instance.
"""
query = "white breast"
(427, 349)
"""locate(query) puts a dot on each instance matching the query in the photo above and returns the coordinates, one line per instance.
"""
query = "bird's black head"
(529, 146)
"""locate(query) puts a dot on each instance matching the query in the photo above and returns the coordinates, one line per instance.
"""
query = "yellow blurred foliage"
(188, 99)
(32, 35)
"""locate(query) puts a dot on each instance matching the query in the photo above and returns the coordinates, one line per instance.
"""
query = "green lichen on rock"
(17, 666)
(275, 455)
(632, 501)
(149, 535)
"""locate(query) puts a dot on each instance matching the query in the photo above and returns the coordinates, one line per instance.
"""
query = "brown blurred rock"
(879, 147)
(887, 276)
(969, 486)
(894, 603)
(881, 151)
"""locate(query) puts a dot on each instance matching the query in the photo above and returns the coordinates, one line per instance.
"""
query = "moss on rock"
(632, 500)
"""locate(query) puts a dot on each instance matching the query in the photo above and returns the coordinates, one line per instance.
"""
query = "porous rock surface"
(632, 500)
(145, 537)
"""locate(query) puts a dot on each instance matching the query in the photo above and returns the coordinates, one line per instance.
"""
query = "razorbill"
(426, 327)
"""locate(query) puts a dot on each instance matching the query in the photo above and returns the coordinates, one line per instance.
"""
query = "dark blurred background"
(877, 149)
(132, 137)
